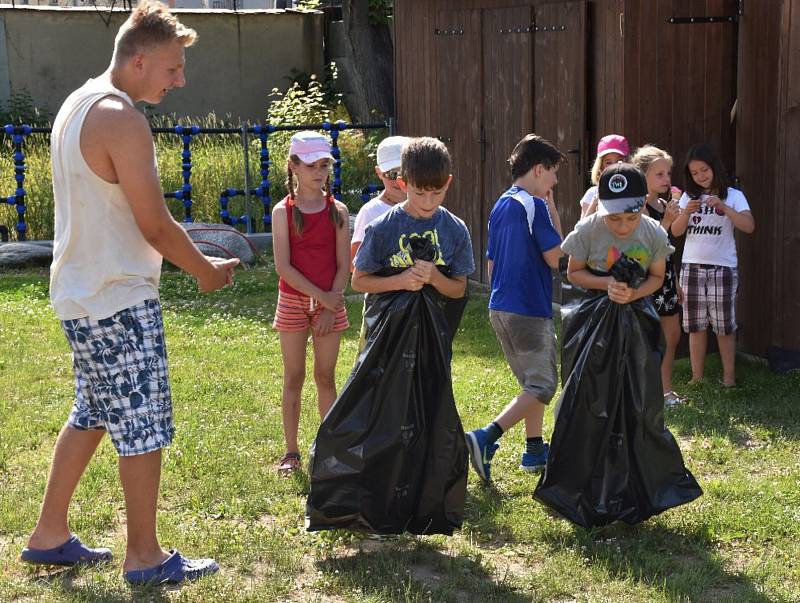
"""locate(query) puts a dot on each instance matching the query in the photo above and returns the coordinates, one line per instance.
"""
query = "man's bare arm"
(124, 134)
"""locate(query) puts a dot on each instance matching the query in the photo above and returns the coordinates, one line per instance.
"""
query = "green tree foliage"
(307, 101)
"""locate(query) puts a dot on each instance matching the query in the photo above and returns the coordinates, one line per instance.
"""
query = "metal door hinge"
(703, 20)
(532, 28)
(448, 32)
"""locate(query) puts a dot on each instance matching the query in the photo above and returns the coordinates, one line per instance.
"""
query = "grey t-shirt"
(593, 242)
(386, 241)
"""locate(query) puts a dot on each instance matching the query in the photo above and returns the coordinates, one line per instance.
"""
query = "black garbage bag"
(611, 457)
(390, 456)
(782, 360)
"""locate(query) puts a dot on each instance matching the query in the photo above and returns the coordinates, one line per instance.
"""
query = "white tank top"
(101, 261)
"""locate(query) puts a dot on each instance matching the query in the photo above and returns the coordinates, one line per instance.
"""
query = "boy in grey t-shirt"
(618, 228)
(612, 458)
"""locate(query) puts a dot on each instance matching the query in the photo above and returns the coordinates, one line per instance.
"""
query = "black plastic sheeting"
(782, 360)
(611, 457)
(390, 456)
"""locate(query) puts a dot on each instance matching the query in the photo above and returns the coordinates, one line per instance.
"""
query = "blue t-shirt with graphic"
(520, 231)
(386, 241)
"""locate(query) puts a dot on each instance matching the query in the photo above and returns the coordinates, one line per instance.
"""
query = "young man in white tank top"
(112, 230)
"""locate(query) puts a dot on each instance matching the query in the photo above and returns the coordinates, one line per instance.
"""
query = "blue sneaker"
(481, 452)
(534, 463)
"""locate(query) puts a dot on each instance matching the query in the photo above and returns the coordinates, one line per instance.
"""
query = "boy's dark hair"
(706, 153)
(426, 163)
(533, 150)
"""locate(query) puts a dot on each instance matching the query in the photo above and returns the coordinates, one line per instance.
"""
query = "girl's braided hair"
(297, 216)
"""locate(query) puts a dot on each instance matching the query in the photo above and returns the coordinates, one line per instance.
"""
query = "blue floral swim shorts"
(121, 379)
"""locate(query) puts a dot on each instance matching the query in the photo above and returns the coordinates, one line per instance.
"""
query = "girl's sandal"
(673, 399)
(290, 463)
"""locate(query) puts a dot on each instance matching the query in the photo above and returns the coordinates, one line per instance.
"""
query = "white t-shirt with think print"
(709, 236)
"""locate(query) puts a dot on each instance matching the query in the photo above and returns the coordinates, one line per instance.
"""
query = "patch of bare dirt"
(431, 579)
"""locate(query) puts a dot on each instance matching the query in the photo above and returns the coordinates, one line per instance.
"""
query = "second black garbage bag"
(390, 456)
(611, 456)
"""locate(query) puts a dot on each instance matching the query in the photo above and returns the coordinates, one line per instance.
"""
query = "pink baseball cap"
(613, 143)
(310, 146)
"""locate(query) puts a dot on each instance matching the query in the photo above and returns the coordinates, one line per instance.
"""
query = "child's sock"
(494, 431)
(534, 446)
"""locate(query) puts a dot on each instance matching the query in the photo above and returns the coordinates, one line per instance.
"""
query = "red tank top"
(312, 253)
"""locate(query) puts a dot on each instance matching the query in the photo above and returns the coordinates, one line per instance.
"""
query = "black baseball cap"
(621, 190)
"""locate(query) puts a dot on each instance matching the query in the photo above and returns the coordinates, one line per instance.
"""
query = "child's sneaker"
(481, 452)
(534, 463)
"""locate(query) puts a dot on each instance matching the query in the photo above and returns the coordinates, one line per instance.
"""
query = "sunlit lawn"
(221, 496)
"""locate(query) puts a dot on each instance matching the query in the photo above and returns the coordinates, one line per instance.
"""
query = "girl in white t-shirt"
(611, 149)
(710, 210)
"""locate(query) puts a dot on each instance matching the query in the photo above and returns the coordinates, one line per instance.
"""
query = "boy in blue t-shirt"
(524, 244)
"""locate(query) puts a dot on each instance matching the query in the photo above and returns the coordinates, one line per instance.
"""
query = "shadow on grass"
(763, 398)
(65, 581)
(484, 503)
(417, 571)
(681, 564)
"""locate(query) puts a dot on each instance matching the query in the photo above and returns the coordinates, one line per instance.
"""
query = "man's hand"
(220, 274)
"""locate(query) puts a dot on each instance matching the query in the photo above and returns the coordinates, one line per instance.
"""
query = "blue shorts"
(121, 379)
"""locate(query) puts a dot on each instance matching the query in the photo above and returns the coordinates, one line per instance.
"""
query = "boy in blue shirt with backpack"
(524, 244)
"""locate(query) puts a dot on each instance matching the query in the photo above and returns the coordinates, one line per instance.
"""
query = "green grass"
(221, 497)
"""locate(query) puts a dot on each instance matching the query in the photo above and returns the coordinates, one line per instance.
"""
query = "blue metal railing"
(19, 133)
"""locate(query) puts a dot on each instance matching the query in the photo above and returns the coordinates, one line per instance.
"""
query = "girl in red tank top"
(311, 243)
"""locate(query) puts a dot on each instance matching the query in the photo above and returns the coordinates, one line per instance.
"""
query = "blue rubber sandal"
(174, 569)
(72, 552)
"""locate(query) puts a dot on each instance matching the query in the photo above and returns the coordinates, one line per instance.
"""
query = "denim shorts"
(121, 379)
(529, 345)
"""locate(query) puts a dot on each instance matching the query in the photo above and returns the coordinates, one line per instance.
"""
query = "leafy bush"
(20, 108)
(308, 105)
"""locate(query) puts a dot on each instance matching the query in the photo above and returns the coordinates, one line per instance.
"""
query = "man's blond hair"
(150, 24)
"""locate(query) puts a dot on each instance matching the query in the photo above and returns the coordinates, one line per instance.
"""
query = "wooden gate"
(680, 76)
(503, 73)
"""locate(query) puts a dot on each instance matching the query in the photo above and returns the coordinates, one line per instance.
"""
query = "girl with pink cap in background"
(311, 243)
(611, 149)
